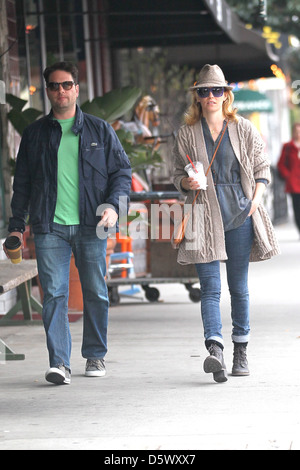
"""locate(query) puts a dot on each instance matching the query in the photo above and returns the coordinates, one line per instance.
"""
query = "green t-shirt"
(67, 204)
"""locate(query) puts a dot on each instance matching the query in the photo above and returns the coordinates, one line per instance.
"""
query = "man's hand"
(109, 218)
(13, 234)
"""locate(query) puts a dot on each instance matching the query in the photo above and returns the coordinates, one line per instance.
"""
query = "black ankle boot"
(214, 363)
(240, 363)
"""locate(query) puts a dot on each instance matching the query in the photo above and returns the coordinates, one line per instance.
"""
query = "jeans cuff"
(215, 339)
(240, 339)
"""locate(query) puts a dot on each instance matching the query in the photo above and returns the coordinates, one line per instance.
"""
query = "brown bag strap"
(215, 152)
(216, 149)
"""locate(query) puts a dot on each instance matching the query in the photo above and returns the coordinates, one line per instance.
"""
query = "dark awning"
(194, 32)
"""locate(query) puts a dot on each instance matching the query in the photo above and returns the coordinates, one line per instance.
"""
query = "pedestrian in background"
(289, 168)
(68, 164)
(235, 227)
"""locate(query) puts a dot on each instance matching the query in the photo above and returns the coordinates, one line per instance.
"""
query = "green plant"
(141, 156)
(113, 104)
(20, 119)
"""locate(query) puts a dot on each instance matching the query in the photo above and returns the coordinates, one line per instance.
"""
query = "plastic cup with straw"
(195, 170)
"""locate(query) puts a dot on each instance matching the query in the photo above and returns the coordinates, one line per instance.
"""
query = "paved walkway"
(155, 395)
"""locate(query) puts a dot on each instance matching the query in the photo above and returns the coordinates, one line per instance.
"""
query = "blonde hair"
(194, 112)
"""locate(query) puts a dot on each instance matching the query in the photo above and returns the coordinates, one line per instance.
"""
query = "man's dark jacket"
(104, 172)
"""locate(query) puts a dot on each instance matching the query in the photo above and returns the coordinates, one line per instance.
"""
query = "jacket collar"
(78, 124)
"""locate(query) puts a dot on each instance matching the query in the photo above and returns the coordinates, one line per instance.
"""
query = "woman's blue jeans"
(53, 253)
(238, 247)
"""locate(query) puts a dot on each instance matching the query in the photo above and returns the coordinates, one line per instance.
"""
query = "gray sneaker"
(95, 368)
(58, 375)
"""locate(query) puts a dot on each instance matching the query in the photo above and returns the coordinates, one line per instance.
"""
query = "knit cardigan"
(206, 221)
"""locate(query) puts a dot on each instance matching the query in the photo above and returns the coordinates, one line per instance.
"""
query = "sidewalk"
(155, 395)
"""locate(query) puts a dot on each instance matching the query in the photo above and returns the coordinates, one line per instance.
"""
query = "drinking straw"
(192, 164)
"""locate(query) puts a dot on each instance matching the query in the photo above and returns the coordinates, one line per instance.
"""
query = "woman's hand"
(189, 184)
(254, 206)
(259, 191)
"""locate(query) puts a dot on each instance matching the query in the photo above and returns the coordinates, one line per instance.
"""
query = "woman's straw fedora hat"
(211, 76)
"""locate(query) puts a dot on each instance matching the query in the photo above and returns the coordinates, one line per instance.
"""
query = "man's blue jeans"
(238, 247)
(53, 252)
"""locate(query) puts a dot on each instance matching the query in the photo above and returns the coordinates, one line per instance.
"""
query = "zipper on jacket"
(58, 127)
(80, 183)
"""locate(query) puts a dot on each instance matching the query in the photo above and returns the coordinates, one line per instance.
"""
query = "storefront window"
(49, 31)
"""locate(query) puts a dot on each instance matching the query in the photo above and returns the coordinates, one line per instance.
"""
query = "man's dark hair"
(65, 66)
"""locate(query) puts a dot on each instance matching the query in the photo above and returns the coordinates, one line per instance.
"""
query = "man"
(70, 163)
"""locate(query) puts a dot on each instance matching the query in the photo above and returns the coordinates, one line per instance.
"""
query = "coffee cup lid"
(12, 242)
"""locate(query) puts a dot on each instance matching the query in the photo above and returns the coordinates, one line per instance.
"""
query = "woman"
(289, 168)
(234, 227)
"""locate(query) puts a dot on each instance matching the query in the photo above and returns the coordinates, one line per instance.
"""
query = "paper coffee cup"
(13, 248)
